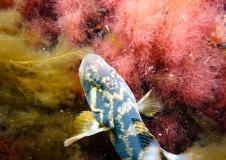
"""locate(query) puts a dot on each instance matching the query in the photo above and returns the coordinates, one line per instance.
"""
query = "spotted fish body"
(114, 106)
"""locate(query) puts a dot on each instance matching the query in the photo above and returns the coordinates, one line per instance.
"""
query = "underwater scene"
(170, 53)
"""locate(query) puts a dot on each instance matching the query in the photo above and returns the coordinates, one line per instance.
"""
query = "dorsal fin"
(149, 104)
(85, 125)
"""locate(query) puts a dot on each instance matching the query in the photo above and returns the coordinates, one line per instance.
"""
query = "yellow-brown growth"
(38, 86)
(211, 151)
(46, 77)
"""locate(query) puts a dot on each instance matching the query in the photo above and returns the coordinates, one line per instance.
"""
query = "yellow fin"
(85, 125)
(149, 105)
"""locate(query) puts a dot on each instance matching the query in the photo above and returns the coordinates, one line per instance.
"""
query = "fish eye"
(96, 81)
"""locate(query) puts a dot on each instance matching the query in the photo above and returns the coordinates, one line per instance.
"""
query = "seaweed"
(38, 88)
(40, 77)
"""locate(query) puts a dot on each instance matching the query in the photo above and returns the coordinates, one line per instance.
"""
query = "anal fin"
(85, 125)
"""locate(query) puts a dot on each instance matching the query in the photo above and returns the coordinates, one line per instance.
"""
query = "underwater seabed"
(178, 50)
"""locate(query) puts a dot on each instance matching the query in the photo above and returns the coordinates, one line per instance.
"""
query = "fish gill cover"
(177, 47)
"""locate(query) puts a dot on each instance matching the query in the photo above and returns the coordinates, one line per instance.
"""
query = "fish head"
(101, 83)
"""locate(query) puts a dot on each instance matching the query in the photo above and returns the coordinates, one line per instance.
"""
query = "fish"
(114, 109)
(221, 45)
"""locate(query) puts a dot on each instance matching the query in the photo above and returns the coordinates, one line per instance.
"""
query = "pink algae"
(43, 18)
(79, 19)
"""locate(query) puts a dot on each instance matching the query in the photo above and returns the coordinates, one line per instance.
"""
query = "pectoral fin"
(85, 125)
(149, 105)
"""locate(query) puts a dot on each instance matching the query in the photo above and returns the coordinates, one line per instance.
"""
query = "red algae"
(5, 4)
(190, 59)
(174, 34)
(80, 20)
(41, 14)
(177, 50)
(165, 44)
(172, 130)
(221, 94)
(7, 150)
